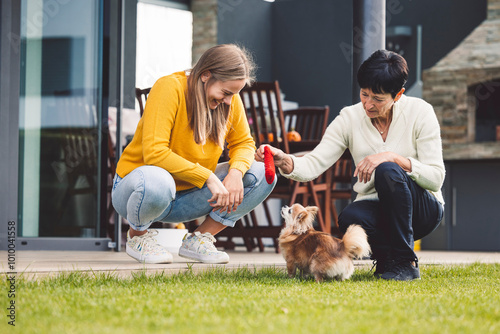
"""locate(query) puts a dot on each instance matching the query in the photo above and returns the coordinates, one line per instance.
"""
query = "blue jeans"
(148, 194)
(404, 212)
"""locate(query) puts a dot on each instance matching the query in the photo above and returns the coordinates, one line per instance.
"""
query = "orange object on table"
(293, 136)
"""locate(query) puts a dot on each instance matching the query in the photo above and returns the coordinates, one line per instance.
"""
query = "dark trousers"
(404, 212)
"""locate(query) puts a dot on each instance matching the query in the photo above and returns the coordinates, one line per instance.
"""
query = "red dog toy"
(269, 165)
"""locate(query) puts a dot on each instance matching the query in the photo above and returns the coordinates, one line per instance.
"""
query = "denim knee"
(364, 213)
(256, 190)
(143, 195)
(258, 171)
(158, 186)
(386, 174)
(346, 218)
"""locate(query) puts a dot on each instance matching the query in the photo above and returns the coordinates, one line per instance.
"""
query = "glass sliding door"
(59, 119)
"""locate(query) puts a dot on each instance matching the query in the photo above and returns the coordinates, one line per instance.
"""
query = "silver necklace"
(376, 125)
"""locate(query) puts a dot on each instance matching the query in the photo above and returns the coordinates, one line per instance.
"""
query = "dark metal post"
(10, 63)
(102, 102)
(119, 106)
(368, 35)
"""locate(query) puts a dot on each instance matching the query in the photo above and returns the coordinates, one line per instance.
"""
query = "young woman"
(396, 145)
(170, 171)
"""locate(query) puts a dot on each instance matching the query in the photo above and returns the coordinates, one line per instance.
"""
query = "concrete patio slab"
(38, 264)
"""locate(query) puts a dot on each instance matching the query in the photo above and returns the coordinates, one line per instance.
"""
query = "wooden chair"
(142, 95)
(267, 119)
(79, 154)
(111, 174)
(338, 178)
(265, 115)
(342, 173)
(310, 123)
(75, 156)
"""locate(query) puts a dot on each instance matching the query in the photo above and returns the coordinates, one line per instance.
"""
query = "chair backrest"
(310, 123)
(265, 115)
(111, 157)
(142, 95)
(343, 170)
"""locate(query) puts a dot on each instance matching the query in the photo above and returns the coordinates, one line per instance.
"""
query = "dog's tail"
(356, 242)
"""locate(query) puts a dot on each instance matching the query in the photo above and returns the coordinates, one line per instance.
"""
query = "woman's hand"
(228, 194)
(281, 159)
(234, 185)
(366, 167)
(220, 195)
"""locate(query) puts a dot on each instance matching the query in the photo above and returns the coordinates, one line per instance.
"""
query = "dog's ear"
(301, 216)
(312, 210)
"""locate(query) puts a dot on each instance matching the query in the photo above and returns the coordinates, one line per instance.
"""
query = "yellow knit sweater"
(164, 138)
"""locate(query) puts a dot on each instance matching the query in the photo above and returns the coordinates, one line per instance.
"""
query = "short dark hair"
(383, 72)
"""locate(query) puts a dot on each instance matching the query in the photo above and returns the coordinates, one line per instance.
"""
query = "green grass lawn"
(448, 299)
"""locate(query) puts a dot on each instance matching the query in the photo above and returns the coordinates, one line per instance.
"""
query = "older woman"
(396, 146)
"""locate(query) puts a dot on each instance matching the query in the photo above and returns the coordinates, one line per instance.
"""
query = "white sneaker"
(145, 249)
(200, 247)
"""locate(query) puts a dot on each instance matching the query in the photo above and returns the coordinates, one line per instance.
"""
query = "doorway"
(164, 40)
(59, 125)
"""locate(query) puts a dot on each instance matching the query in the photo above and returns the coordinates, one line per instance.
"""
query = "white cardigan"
(413, 133)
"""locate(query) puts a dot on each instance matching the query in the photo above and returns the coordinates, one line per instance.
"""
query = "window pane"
(58, 121)
(164, 42)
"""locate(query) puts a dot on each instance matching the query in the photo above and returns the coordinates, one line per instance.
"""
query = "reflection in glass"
(58, 123)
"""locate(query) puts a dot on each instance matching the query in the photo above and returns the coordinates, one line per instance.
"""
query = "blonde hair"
(225, 62)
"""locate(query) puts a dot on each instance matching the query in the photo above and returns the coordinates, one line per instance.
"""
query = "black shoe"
(380, 266)
(402, 270)
(381, 262)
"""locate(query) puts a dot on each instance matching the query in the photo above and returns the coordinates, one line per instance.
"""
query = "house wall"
(204, 26)
(310, 52)
(296, 43)
(305, 45)
(471, 214)
(249, 24)
(445, 23)
(466, 76)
